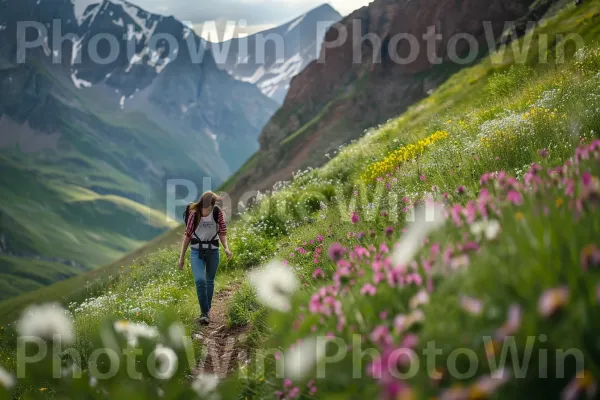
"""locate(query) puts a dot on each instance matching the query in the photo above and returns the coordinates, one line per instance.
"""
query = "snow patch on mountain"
(79, 83)
(80, 8)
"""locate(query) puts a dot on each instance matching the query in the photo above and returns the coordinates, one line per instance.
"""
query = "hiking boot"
(204, 320)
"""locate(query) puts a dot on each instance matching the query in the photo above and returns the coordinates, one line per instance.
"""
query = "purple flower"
(355, 218)
(543, 153)
(461, 190)
(389, 230)
(423, 178)
(336, 252)
(552, 301)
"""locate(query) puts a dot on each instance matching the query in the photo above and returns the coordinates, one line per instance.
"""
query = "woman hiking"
(205, 222)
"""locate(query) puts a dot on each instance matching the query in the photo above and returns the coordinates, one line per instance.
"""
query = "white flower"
(303, 357)
(177, 335)
(205, 385)
(410, 244)
(7, 380)
(488, 228)
(47, 321)
(274, 284)
(133, 331)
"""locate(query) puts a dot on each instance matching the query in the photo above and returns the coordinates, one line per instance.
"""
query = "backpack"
(196, 239)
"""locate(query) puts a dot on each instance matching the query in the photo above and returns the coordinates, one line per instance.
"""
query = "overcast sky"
(259, 14)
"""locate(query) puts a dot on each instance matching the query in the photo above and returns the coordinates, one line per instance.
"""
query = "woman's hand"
(229, 254)
(181, 263)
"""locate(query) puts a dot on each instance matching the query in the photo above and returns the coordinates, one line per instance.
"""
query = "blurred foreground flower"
(7, 380)
(301, 358)
(582, 386)
(47, 321)
(205, 386)
(274, 284)
(471, 305)
(552, 301)
(410, 244)
(134, 331)
(486, 228)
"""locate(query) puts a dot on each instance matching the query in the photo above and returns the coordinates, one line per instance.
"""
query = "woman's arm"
(187, 238)
(184, 247)
(222, 230)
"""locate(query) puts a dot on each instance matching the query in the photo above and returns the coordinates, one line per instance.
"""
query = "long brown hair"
(207, 200)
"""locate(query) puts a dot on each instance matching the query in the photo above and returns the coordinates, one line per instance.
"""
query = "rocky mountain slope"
(331, 103)
(86, 147)
(270, 59)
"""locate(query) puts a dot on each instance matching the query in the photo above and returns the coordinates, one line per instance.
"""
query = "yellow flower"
(43, 389)
(559, 202)
(519, 216)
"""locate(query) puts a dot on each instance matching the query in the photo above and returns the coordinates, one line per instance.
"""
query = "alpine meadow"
(451, 252)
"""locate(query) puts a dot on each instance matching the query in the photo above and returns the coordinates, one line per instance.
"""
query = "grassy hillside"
(509, 153)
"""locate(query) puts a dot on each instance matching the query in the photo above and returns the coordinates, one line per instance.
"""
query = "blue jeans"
(204, 276)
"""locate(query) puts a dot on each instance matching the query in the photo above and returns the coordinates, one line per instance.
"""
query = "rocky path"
(223, 347)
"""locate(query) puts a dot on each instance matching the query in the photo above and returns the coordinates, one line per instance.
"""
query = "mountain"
(270, 59)
(333, 102)
(87, 147)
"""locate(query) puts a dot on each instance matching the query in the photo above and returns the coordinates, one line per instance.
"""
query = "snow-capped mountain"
(250, 60)
(143, 62)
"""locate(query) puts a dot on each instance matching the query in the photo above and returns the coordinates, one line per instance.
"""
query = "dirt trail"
(223, 347)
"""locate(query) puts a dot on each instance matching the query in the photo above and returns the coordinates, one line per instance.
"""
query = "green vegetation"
(516, 258)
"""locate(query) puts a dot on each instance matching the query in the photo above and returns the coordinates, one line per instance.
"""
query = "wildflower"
(205, 385)
(274, 284)
(519, 216)
(559, 202)
(486, 386)
(543, 153)
(133, 331)
(590, 257)
(318, 273)
(381, 334)
(320, 238)
(355, 218)
(461, 190)
(410, 243)
(514, 197)
(177, 335)
(300, 359)
(552, 300)
(389, 230)
(471, 305)
(47, 321)
(488, 228)
(423, 178)
(368, 289)
(512, 324)
(419, 299)
(336, 252)
(6, 379)
(582, 385)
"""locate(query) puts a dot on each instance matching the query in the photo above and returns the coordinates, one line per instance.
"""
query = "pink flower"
(381, 334)
(514, 197)
(461, 190)
(318, 273)
(471, 305)
(336, 252)
(543, 153)
(389, 231)
(368, 289)
(355, 218)
(552, 301)
(423, 178)
(512, 324)
(320, 238)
